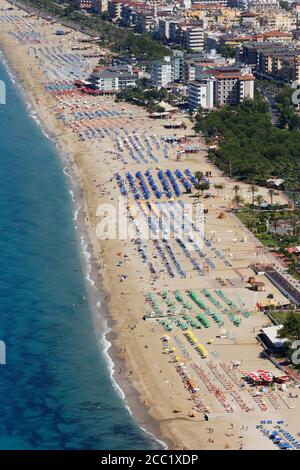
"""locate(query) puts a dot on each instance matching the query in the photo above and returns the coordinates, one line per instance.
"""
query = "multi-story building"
(175, 31)
(250, 53)
(290, 70)
(279, 19)
(164, 28)
(114, 8)
(189, 70)
(129, 14)
(258, 5)
(280, 37)
(272, 60)
(102, 6)
(227, 87)
(225, 18)
(219, 3)
(168, 70)
(84, 4)
(197, 63)
(249, 20)
(177, 66)
(161, 72)
(246, 85)
(231, 85)
(186, 4)
(284, 65)
(145, 21)
(193, 37)
(201, 93)
(283, 37)
(113, 79)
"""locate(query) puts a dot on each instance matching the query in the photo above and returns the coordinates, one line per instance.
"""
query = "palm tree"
(275, 224)
(292, 188)
(270, 297)
(271, 193)
(237, 200)
(199, 175)
(219, 187)
(201, 186)
(259, 199)
(274, 219)
(253, 189)
(236, 189)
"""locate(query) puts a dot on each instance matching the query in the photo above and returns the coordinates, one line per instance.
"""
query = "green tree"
(226, 50)
(236, 189)
(259, 200)
(271, 193)
(291, 328)
(249, 146)
(253, 189)
(199, 175)
(219, 187)
(237, 200)
(201, 186)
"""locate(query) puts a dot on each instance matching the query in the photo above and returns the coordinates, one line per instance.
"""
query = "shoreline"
(92, 277)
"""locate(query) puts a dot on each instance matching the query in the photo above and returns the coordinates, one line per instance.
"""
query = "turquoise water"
(55, 388)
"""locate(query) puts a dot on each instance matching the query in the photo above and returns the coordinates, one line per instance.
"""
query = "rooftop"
(271, 333)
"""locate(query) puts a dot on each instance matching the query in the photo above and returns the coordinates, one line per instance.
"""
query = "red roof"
(269, 34)
(247, 77)
(129, 3)
(227, 75)
(277, 33)
(207, 64)
(248, 14)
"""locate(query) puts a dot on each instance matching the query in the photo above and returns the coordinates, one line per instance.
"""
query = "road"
(272, 104)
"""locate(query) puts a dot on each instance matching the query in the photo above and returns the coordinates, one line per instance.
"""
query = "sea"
(56, 389)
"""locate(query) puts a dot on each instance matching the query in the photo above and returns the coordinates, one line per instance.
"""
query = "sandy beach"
(144, 279)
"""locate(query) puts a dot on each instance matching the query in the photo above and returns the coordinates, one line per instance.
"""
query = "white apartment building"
(189, 71)
(281, 20)
(161, 72)
(230, 87)
(262, 4)
(233, 86)
(201, 93)
(187, 4)
(227, 89)
(223, 3)
(113, 80)
(193, 38)
(246, 87)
